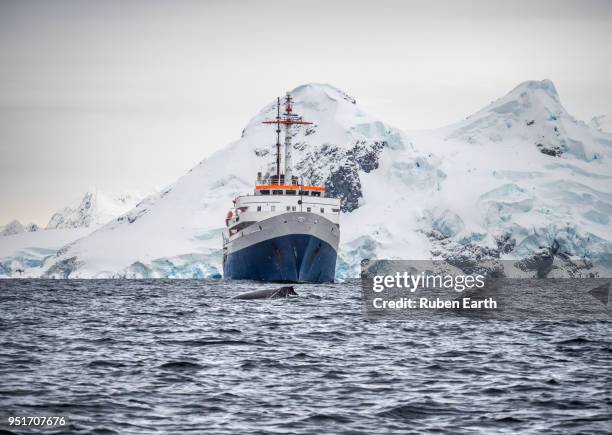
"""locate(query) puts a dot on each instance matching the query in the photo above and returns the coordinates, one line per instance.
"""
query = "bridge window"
(304, 192)
(264, 192)
(277, 192)
(288, 208)
(293, 208)
(336, 210)
(289, 192)
(308, 209)
(322, 210)
(259, 208)
(316, 194)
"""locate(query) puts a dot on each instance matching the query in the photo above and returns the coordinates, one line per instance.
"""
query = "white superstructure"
(274, 200)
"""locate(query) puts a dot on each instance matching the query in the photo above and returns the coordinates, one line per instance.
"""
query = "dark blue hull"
(290, 258)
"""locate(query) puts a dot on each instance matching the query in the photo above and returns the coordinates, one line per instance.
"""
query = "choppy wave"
(134, 357)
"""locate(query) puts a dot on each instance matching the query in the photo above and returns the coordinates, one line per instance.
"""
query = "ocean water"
(164, 356)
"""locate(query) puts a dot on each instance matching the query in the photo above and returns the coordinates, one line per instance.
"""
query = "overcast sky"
(129, 95)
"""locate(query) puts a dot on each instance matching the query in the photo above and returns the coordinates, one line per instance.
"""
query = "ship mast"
(288, 163)
(287, 119)
(278, 131)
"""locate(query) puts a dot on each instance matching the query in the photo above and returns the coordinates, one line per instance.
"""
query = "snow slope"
(506, 182)
(602, 123)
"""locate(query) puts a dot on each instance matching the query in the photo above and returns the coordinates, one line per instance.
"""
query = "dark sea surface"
(180, 356)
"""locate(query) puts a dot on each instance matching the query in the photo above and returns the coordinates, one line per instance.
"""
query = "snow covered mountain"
(16, 227)
(602, 123)
(23, 254)
(95, 209)
(517, 177)
(522, 176)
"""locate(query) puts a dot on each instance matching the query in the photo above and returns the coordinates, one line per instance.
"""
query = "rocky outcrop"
(62, 269)
(340, 169)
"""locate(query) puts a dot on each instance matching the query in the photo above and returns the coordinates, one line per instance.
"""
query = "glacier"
(509, 182)
(23, 255)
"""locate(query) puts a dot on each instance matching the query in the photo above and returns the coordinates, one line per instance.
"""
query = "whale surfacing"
(282, 292)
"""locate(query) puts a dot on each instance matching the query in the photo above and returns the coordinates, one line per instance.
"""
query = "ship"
(286, 230)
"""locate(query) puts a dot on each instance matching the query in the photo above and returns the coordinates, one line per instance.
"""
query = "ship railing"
(272, 182)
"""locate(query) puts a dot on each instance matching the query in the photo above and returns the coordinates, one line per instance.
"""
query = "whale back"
(282, 292)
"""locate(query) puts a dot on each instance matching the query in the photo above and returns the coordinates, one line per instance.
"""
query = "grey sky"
(125, 95)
